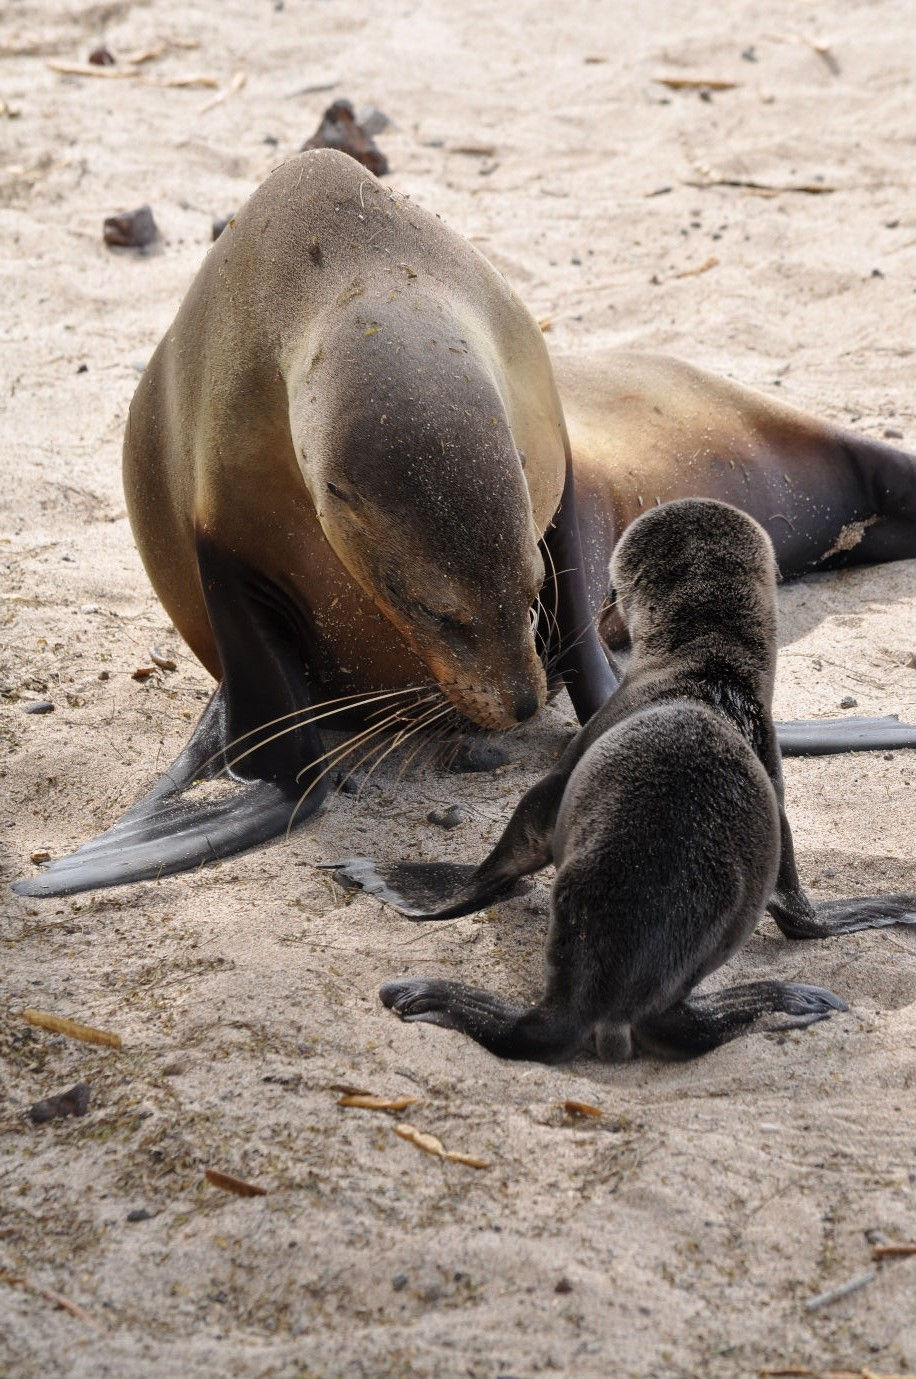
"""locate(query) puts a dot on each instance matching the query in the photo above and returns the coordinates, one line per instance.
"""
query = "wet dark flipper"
(267, 769)
(538, 1032)
(419, 890)
(702, 1023)
(581, 661)
(829, 736)
(444, 890)
(799, 919)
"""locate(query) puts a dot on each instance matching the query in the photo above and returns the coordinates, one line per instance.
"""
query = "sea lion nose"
(526, 705)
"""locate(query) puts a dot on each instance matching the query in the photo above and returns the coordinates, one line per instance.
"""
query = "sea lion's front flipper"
(704, 1022)
(827, 736)
(580, 657)
(251, 769)
(189, 818)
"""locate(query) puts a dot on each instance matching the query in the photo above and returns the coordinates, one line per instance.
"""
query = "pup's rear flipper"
(829, 736)
(704, 1022)
(182, 822)
(539, 1033)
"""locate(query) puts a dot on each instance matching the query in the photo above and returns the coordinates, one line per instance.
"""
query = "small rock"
(104, 674)
(563, 1286)
(892, 434)
(72, 1103)
(83, 368)
(174, 1069)
(847, 702)
(40, 855)
(829, 872)
(101, 57)
(90, 608)
(38, 706)
(448, 818)
(130, 229)
(399, 1282)
(340, 129)
(139, 1214)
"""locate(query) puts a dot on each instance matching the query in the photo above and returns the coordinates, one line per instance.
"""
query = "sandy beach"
(762, 225)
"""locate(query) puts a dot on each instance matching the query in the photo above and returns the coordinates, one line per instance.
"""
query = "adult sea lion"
(347, 471)
(665, 820)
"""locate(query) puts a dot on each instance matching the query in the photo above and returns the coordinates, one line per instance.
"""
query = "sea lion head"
(696, 568)
(420, 491)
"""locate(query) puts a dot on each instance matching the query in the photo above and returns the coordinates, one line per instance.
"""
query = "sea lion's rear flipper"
(540, 1032)
(704, 1022)
(827, 736)
(251, 769)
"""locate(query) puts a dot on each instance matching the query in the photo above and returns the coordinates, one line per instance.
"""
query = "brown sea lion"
(347, 470)
(664, 818)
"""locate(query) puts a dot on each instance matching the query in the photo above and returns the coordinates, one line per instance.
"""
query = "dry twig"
(59, 1024)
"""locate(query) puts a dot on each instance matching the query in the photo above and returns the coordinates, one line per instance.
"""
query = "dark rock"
(340, 129)
(130, 229)
(72, 1103)
(38, 706)
(847, 702)
(140, 1214)
(101, 57)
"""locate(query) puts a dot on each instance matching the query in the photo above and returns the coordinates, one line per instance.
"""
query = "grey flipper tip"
(166, 834)
(829, 736)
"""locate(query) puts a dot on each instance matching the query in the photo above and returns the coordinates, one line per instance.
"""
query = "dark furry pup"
(664, 818)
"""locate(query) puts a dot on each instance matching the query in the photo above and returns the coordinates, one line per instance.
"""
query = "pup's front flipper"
(420, 890)
(799, 919)
(703, 1023)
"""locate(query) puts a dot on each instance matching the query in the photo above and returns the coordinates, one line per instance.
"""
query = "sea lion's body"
(348, 472)
(647, 429)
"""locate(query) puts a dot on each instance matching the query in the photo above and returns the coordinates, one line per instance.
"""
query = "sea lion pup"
(664, 818)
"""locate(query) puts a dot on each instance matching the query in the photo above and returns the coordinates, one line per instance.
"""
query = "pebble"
(72, 1103)
(130, 229)
(448, 818)
(38, 706)
(847, 702)
(139, 1214)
